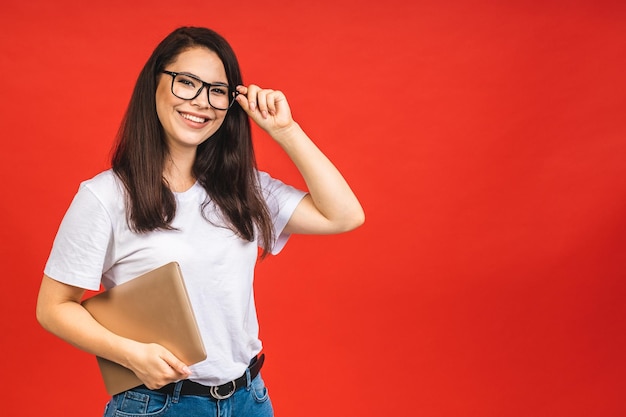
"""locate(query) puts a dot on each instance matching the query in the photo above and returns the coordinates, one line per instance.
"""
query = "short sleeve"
(282, 200)
(81, 244)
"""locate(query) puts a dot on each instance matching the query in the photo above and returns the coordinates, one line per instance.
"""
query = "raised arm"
(330, 206)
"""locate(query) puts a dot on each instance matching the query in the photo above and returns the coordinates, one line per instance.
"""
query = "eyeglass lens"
(187, 88)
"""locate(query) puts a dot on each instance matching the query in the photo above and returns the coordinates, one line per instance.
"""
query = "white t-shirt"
(94, 246)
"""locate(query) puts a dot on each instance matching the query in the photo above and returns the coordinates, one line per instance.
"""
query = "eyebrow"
(200, 79)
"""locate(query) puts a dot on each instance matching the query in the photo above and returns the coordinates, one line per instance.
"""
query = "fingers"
(242, 99)
(264, 102)
(176, 364)
(156, 366)
(267, 108)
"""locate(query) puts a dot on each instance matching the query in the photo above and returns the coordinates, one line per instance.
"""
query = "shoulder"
(267, 182)
(276, 192)
(104, 190)
(103, 181)
(269, 185)
(106, 186)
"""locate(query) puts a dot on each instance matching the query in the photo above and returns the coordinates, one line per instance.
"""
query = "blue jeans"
(250, 401)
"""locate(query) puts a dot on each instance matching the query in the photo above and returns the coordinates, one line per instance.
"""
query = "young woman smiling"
(184, 187)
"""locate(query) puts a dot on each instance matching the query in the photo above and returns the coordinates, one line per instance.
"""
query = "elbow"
(44, 313)
(354, 220)
(42, 317)
(359, 219)
(55, 304)
(47, 320)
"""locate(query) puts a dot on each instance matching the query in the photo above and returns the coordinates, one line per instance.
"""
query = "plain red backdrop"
(485, 140)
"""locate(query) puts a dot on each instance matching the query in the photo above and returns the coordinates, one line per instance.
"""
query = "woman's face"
(188, 123)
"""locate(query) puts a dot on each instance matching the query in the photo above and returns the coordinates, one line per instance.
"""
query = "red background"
(485, 140)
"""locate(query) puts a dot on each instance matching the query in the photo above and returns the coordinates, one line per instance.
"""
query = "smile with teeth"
(193, 118)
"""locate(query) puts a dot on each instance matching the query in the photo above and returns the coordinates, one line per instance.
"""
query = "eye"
(219, 90)
(186, 81)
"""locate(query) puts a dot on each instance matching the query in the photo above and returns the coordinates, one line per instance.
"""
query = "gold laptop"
(152, 308)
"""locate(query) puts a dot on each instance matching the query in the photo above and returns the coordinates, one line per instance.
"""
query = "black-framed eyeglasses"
(188, 87)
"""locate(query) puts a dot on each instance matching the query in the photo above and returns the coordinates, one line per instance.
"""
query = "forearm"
(71, 322)
(59, 311)
(330, 193)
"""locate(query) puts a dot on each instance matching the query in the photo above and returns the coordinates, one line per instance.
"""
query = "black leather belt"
(220, 392)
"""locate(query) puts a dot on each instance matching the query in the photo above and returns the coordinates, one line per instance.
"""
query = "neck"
(178, 172)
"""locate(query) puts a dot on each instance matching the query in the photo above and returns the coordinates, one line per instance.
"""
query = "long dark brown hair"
(225, 164)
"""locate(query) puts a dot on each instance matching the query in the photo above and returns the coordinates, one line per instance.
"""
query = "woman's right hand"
(59, 311)
(154, 365)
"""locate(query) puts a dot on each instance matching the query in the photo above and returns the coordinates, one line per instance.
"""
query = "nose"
(202, 99)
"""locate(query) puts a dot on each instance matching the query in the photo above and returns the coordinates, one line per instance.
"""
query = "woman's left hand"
(267, 108)
(331, 206)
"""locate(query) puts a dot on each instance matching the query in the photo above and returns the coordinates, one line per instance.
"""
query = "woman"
(184, 187)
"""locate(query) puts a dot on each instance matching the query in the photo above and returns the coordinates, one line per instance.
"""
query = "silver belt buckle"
(217, 396)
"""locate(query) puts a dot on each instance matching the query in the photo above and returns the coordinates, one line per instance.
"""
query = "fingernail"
(252, 105)
(264, 114)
